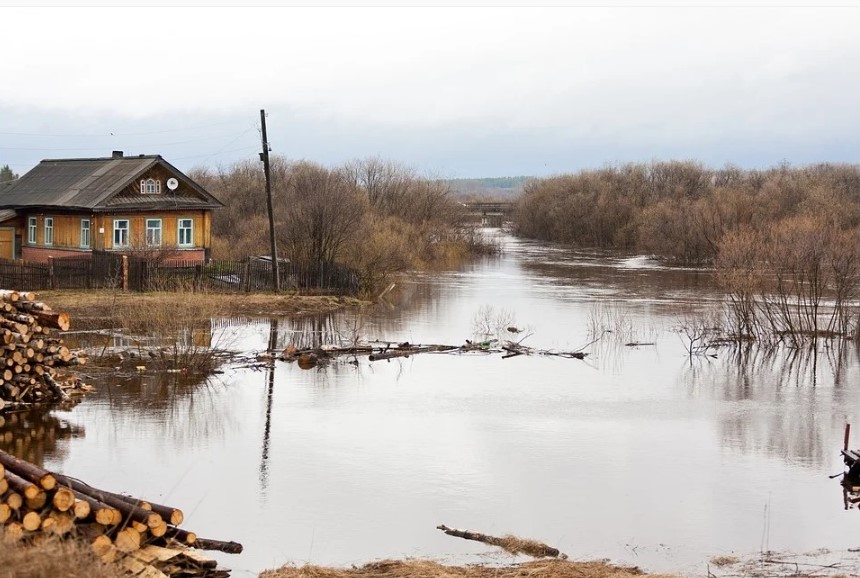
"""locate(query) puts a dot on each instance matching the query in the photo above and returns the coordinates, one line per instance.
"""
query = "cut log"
(11, 296)
(127, 540)
(28, 471)
(31, 521)
(392, 353)
(104, 548)
(228, 547)
(99, 511)
(135, 513)
(140, 526)
(14, 499)
(63, 499)
(63, 522)
(173, 516)
(18, 484)
(81, 509)
(184, 536)
(13, 532)
(5, 513)
(509, 543)
(55, 320)
(159, 530)
(37, 502)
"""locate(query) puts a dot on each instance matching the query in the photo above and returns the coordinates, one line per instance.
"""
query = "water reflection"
(37, 435)
(187, 408)
(778, 397)
(273, 346)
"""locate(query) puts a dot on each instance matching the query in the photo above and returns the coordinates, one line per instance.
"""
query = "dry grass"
(53, 558)
(724, 560)
(428, 569)
(107, 308)
(515, 545)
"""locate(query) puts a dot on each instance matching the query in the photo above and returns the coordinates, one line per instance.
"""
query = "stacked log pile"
(32, 352)
(142, 536)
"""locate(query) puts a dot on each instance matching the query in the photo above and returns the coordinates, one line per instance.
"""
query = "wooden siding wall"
(67, 229)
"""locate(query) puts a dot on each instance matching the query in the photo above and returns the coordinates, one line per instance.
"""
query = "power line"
(109, 133)
(151, 145)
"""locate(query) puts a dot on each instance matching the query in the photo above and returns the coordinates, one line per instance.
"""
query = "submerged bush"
(797, 278)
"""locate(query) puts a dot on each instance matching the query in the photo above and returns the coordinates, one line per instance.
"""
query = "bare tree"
(319, 212)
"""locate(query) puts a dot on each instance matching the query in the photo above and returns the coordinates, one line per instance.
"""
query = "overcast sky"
(453, 92)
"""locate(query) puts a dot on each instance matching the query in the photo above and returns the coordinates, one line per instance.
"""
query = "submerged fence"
(105, 270)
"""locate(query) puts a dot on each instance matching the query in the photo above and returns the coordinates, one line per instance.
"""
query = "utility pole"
(264, 156)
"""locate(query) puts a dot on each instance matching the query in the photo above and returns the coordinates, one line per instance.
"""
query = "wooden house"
(124, 204)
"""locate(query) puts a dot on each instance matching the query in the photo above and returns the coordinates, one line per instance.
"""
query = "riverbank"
(73, 559)
(113, 308)
(431, 569)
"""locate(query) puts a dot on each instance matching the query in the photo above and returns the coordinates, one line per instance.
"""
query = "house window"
(31, 230)
(120, 233)
(49, 230)
(186, 232)
(85, 233)
(153, 232)
(150, 186)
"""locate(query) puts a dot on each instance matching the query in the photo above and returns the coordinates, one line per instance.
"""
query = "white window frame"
(49, 231)
(117, 229)
(32, 230)
(158, 229)
(86, 234)
(189, 229)
(150, 186)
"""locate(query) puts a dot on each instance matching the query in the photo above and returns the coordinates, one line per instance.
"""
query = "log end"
(48, 482)
(154, 520)
(176, 517)
(31, 521)
(127, 540)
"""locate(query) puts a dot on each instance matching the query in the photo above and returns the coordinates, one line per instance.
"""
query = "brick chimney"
(116, 155)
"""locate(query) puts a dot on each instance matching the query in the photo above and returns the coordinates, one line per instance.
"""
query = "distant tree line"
(373, 215)
(681, 210)
(784, 241)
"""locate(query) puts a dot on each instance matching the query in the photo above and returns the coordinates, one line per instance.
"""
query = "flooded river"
(638, 454)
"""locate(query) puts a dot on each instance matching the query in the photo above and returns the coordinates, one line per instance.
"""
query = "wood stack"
(32, 353)
(34, 500)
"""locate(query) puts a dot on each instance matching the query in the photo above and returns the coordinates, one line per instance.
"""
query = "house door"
(7, 243)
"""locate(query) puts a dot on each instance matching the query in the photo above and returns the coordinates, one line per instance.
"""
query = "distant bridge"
(492, 214)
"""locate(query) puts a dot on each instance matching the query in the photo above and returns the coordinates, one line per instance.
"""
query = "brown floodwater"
(640, 454)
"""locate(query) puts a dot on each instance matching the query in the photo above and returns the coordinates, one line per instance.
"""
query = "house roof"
(95, 184)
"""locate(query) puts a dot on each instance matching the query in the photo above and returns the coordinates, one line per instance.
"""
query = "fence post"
(246, 281)
(51, 281)
(198, 277)
(125, 272)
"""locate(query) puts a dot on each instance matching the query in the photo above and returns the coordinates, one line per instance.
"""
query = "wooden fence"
(105, 270)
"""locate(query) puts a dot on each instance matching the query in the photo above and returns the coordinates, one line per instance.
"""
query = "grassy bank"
(53, 558)
(116, 308)
(429, 569)
(73, 559)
